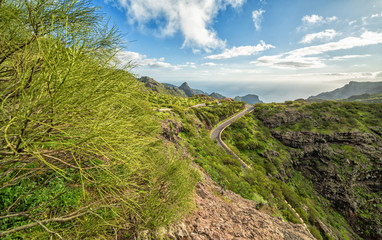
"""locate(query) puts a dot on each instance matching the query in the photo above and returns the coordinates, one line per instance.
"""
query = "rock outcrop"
(187, 90)
(345, 167)
(225, 215)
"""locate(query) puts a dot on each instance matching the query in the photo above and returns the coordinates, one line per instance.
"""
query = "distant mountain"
(350, 89)
(217, 95)
(155, 86)
(197, 91)
(249, 98)
(187, 90)
(170, 85)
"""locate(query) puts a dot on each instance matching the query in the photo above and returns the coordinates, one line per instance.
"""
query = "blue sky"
(278, 49)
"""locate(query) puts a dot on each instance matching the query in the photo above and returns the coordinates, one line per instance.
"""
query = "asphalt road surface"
(217, 131)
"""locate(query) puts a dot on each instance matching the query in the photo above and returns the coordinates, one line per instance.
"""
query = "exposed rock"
(228, 99)
(230, 216)
(344, 179)
(305, 139)
(189, 92)
(289, 116)
(171, 129)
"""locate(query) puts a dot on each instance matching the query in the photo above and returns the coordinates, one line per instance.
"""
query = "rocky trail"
(226, 215)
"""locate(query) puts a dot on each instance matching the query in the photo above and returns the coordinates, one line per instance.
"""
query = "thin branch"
(13, 215)
(4, 153)
(66, 218)
(31, 190)
(62, 161)
(12, 182)
(46, 229)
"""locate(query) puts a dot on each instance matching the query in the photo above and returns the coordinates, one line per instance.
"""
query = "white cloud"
(193, 18)
(312, 19)
(345, 57)
(355, 75)
(241, 51)
(331, 19)
(326, 35)
(316, 19)
(257, 17)
(307, 57)
(372, 19)
(375, 15)
(289, 62)
(134, 58)
(209, 64)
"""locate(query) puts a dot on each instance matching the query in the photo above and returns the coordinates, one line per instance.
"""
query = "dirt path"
(228, 216)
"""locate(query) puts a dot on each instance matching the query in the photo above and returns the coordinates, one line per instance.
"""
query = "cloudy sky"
(280, 50)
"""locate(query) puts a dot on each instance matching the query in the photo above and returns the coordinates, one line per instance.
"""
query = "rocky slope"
(217, 95)
(189, 92)
(223, 214)
(350, 89)
(340, 151)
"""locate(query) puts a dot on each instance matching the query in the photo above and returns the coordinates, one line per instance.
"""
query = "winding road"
(217, 131)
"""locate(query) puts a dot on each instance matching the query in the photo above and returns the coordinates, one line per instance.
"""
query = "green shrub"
(314, 231)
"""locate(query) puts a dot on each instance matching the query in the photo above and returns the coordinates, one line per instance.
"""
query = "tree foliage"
(79, 147)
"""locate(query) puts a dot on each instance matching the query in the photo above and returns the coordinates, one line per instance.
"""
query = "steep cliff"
(338, 146)
(189, 91)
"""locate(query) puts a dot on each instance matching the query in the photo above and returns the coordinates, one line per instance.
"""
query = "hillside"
(350, 89)
(183, 90)
(155, 86)
(329, 156)
(365, 98)
(217, 95)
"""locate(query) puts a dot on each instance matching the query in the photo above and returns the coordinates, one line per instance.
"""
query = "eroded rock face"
(349, 178)
(229, 216)
(289, 116)
(171, 129)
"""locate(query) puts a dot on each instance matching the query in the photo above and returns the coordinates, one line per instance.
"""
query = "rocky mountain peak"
(189, 92)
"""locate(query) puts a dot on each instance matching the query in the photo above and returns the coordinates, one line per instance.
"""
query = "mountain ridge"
(249, 98)
(351, 89)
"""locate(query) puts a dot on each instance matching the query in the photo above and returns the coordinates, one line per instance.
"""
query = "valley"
(91, 150)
